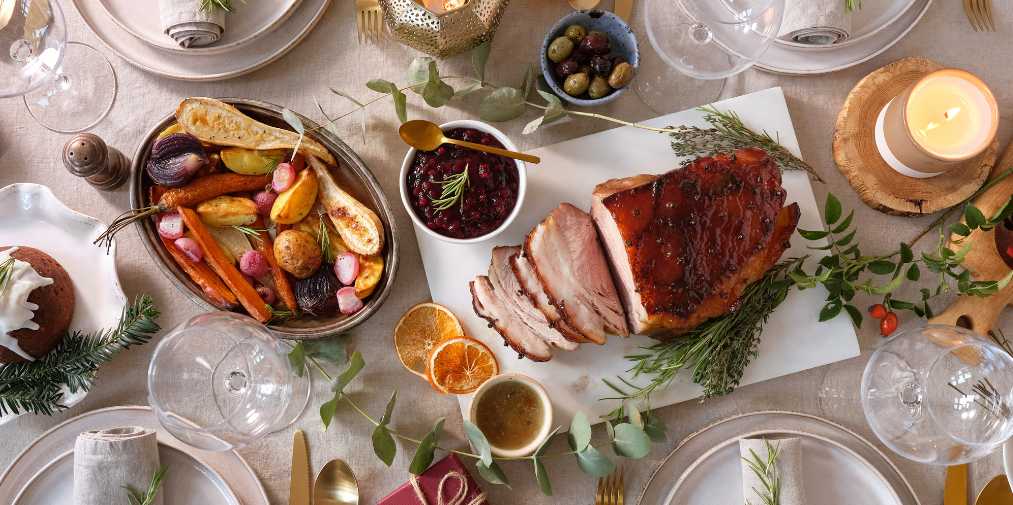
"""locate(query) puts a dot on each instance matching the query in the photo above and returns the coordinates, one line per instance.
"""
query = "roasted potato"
(370, 270)
(295, 203)
(251, 162)
(233, 242)
(311, 224)
(169, 130)
(228, 211)
(358, 226)
(297, 253)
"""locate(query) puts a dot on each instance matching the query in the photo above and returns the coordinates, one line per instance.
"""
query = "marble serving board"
(793, 339)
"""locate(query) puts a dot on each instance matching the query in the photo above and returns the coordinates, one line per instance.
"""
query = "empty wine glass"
(67, 86)
(697, 42)
(939, 394)
(222, 380)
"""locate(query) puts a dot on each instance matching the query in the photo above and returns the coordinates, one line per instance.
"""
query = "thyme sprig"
(6, 273)
(765, 470)
(35, 386)
(452, 190)
(136, 497)
(728, 133)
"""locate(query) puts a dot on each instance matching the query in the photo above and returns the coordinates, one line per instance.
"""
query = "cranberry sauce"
(489, 197)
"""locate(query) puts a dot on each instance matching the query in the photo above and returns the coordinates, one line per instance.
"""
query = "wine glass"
(222, 380)
(699, 43)
(939, 394)
(67, 86)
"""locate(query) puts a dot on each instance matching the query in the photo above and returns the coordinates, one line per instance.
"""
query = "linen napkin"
(815, 22)
(107, 460)
(789, 468)
(188, 25)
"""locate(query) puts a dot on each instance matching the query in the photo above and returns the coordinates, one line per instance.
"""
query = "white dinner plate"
(866, 22)
(248, 21)
(187, 481)
(841, 466)
(43, 472)
(836, 474)
(30, 215)
(208, 67)
(784, 58)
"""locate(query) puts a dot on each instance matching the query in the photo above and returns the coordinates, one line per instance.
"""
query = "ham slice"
(571, 265)
(528, 280)
(506, 284)
(489, 305)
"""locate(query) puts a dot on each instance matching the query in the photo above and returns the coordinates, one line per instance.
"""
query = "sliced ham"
(490, 306)
(528, 280)
(506, 285)
(571, 265)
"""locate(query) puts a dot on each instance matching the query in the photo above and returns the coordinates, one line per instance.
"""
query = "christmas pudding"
(36, 304)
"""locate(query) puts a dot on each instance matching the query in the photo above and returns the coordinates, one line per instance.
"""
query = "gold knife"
(955, 492)
(623, 9)
(299, 492)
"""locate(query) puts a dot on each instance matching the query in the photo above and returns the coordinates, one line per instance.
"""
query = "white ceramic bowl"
(543, 397)
(522, 182)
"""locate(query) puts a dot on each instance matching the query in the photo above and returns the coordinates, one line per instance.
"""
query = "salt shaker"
(87, 155)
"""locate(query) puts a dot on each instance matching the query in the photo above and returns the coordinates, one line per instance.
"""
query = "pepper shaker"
(87, 155)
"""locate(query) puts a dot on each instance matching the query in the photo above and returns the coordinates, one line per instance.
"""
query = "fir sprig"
(765, 470)
(35, 387)
(6, 272)
(148, 497)
(210, 5)
(452, 190)
(728, 133)
(852, 5)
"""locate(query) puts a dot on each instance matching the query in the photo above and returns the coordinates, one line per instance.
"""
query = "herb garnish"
(851, 5)
(210, 5)
(6, 273)
(249, 231)
(148, 497)
(765, 470)
(452, 190)
(324, 238)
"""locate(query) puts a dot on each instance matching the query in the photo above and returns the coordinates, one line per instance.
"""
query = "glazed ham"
(685, 244)
(506, 284)
(489, 305)
(528, 280)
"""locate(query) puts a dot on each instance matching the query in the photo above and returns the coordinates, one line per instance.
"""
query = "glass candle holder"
(446, 27)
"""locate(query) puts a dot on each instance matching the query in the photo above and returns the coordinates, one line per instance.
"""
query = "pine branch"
(35, 387)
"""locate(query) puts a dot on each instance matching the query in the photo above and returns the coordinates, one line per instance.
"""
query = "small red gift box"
(445, 483)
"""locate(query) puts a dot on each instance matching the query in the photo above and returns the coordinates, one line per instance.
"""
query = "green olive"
(576, 84)
(575, 33)
(599, 88)
(560, 49)
(621, 75)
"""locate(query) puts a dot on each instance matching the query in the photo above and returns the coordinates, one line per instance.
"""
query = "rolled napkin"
(189, 25)
(788, 465)
(815, 22)
(107, 460)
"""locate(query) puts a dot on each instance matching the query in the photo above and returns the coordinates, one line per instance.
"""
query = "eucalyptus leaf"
(631, 441)
(426, 450)
(381, 86)
(540, 451)
(479, 58)
(529, 81)
(492, 474)
(542, 475)
(633, 414)
(293, 120)
(832, 209)
(436, 92)
(554, 107)
(580, 432)
(418, 73)
(331, 350)
(348, 97)
(327, 410)
(479, 442)
(355, 365)
(533, 125)
(400, 105)
(655, 427)
(297, 358)
(383, 445)
(593, 463)
(387, 412)
(503, 104)
(468, 88)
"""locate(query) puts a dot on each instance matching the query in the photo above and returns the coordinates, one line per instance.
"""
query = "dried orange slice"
(460, 365)
(420, 330)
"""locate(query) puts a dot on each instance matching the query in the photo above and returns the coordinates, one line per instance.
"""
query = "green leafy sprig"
(293, 120)
(852, 5)
(210, 5)
(6, 273)
(136, 497)
(324, 239)
(630, 438)
(35, 387)
(452, 190)
(765, 470)
(249, 231)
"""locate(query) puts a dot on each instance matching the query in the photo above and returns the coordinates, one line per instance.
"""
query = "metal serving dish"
(352, 175)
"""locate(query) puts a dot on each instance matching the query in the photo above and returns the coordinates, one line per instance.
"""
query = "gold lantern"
(451, 27)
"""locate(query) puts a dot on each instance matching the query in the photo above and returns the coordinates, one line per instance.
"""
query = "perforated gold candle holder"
(441, 35)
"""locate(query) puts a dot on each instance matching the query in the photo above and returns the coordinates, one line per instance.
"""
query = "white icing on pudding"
(16, 312)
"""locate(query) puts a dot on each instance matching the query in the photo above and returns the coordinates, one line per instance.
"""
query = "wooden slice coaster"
(858, 158)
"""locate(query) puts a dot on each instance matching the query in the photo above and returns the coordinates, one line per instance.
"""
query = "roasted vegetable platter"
(328, 179)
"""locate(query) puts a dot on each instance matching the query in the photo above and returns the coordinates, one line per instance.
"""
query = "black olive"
(565, 68)
(317, 294)
(601, 65)
(596, 43)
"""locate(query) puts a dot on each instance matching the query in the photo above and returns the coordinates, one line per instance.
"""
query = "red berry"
(889, 324)
(877, 311)
(1009, 251)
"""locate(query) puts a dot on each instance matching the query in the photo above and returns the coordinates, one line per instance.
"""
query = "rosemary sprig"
(6, 273)
(718, 350)
(35, 387)
(324, 238)
(249, 231)
(765, 470)
(452, 190)
(279, 315)
(851, 5)
(728, 133)
(147, 498)
(209, 5)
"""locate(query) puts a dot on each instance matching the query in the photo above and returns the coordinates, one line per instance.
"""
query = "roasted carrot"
(208, 187)
(217, 292)
(215, 258)
(281, 281)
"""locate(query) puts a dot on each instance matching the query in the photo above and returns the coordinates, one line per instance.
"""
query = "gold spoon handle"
(494, 150)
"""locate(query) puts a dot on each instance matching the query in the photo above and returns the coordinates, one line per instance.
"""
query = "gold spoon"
(336, 485)
(427, 136)
(996, 492)
(583, 5)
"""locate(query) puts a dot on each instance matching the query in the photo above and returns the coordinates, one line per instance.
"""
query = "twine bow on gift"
(457, 499)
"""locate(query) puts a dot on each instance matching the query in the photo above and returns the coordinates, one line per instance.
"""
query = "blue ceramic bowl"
(624, 43)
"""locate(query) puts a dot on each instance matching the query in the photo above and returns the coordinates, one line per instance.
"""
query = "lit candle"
(944, 118)
(442, 6)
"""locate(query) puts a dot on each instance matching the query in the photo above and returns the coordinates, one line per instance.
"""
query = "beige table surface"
(330, 56)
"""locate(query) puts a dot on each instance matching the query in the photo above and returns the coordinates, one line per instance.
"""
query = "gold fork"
(979, 13)
(611, 489)
(368, 19)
